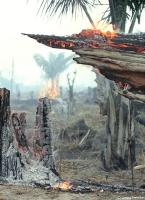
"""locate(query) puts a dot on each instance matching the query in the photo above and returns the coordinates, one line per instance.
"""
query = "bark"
(10, 158)
(45, 127)
(120, 130)
(4, 117)
(118, 14)
(118, 66)
(102, 93)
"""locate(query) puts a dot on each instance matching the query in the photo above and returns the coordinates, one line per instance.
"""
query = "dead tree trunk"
(11, 163)
(71, 100)
(4, 117)
(120, 132)
(44, 110)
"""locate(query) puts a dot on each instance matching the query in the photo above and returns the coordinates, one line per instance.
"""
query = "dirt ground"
(28, 193)
(74, 170)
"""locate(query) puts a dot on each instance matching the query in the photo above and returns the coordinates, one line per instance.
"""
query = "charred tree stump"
(44, 110)
(4, 117)
(11, 140)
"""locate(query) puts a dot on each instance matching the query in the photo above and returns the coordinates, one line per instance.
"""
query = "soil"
(74, 170)
(28, 193)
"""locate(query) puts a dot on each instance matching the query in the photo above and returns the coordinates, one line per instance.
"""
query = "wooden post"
(4, 115)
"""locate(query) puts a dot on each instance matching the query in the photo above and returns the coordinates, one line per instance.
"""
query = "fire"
(103, 29)
(106, 29)
(104, 36)
(64, 185)
(49, 90)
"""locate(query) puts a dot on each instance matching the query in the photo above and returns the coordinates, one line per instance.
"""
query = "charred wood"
(80, 186)
(45, 128)
(92, 39)
(4, 118)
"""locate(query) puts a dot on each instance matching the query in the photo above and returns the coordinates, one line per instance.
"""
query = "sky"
(18, 17)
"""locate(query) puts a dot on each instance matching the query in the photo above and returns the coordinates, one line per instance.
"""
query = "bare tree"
(71, 100)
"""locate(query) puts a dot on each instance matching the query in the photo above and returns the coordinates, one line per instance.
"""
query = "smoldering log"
(93, 39)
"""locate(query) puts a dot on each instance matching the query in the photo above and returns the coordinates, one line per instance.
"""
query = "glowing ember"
(103, 36)
(65, 185)
(49, 90)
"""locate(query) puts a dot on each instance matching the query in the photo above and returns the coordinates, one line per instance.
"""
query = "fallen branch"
(80, 186)
(84, 138)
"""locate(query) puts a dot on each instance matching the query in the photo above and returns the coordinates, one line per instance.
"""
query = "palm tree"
(65, 7)
(118, 14)
(53, 66)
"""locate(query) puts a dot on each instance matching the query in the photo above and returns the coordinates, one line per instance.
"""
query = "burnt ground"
(13, 192)
(74, 163)
(28, 193)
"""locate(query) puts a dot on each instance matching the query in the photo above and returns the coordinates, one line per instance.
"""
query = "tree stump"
(4, 118)
(43, 122)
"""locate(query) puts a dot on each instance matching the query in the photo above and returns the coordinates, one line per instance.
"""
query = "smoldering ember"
(119, 58)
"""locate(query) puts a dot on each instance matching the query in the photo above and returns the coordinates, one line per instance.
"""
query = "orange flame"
(102, 29)
(49, 90)
(101, 37)
(65, 185)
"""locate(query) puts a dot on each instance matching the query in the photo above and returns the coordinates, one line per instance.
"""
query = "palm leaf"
(62, 7)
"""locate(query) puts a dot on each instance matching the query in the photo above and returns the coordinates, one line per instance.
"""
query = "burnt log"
(116, 65)
(93, 39)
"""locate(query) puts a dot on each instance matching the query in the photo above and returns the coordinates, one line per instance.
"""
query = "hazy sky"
(16, 17)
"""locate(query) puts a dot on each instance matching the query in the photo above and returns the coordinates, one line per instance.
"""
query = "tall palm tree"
(53, 66)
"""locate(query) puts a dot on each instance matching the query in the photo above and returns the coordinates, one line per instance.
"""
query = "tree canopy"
(117, 13)
(54, 64)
